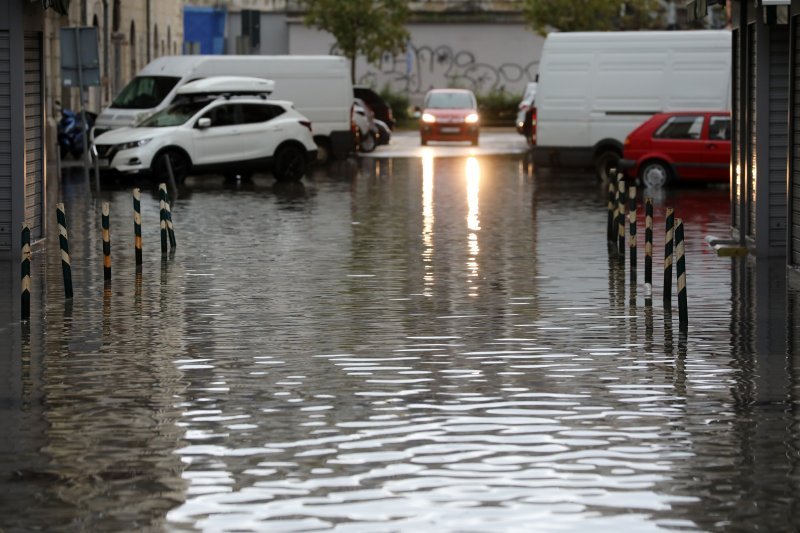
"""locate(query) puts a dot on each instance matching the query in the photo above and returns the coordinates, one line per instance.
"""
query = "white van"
(594, 88)
(319, 86)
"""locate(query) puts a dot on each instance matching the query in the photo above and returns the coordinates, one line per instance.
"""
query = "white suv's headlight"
(134, 144)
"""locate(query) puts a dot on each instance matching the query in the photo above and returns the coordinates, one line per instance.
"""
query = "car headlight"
(427, 117)
(472, 118)
(134, 144)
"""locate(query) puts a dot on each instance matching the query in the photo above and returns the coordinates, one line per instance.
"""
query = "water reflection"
(473, 222)
(296, 367)
(427, 218)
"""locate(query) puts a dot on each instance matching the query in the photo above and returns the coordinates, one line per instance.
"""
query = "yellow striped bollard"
(25, 274)
(648, 246)
(610, 223)
(170, 228)
(63, 241)
(670, 223)
(632, 228)
(680, 269)
(621, 215)
(105, 219)
(162, 200)
(137, 227)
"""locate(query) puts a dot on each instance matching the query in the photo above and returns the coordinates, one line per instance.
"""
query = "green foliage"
(399, 102)
(498, 107)
(361, 27)
(593, 15)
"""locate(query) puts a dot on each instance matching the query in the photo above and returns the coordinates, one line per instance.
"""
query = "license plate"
(450, 129)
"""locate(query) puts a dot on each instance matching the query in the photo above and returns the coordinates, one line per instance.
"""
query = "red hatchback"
(449, 115)
(691, 145)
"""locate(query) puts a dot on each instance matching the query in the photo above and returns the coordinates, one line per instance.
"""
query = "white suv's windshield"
(145, 92)
(174, 115)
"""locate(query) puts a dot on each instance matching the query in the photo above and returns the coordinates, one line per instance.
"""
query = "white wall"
(480, 57)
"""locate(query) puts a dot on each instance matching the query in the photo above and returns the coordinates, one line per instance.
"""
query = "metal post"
(25, 273)
(162, 191)
(670, 223)
(621, 216)
(137, 227)
(632, 227)
(680, 260)
(648, 246)
(106, 242)
(63, 240)
(610, 223)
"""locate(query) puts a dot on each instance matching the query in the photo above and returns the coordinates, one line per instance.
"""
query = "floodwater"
(410, 344)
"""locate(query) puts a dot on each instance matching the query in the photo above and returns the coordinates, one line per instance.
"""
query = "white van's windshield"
(145, 92)
(174, 115)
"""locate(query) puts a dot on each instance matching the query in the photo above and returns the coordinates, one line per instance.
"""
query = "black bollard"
(621, 216)
(670, 223)
(137, 227)
(25, 273)
(63, 240)
(680, 268)
(162, 203)
(632, 228)
(106, 242)
(648, 246)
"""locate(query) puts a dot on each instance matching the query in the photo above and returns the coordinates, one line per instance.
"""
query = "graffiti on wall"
(423, 68)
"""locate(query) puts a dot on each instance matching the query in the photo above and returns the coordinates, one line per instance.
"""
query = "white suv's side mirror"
(203, 123)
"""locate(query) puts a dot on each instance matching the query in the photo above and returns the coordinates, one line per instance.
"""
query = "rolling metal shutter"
(34, 138)
(778, 134)
(5, 143)
(794, 258)
(751, 149)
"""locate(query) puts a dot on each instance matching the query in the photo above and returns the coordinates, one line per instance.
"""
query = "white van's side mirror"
(203, 123)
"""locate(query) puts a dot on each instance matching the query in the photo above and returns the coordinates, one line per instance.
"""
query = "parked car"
(366, 129)
(319, 87)
(523, 114)
(596, 87)
(382, 110)
(449, 115)
(690, 145)
(222, 125)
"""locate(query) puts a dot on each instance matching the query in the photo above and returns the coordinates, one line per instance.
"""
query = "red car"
(691, 145)
(449, 115)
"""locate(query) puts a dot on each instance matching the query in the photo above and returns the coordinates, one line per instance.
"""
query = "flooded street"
(413, 343)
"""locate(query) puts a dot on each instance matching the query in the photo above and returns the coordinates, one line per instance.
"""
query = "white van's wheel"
(603, 164)
(654, 175)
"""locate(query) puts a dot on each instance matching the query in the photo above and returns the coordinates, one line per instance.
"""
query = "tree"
(593, 15)
(361, 27)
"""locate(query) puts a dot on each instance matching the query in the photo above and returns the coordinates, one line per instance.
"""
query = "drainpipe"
(148, 47)
(105, 49)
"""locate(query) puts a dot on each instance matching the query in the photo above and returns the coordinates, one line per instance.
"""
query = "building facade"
(765, 149)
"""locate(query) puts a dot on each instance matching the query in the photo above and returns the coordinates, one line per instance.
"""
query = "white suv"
(231, 133)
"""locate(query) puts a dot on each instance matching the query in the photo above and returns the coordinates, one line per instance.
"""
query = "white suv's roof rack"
(228, 86)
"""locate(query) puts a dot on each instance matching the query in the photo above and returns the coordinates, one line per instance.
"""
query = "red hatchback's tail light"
(306, 123)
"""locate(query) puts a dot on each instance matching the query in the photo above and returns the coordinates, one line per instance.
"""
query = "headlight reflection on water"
(473, 222)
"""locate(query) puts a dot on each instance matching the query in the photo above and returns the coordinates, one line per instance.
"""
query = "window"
(223, 115)
(174, 115)
(253, 113)
(144, 92)
(719, 128)
(686, 127)
(451, 100)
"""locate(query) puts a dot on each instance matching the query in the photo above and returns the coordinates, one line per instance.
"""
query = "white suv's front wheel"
(178, 161)
(289, 163)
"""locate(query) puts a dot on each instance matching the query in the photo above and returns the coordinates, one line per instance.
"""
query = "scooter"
(71, 132)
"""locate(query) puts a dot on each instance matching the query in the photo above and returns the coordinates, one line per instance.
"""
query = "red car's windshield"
(450, 100)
